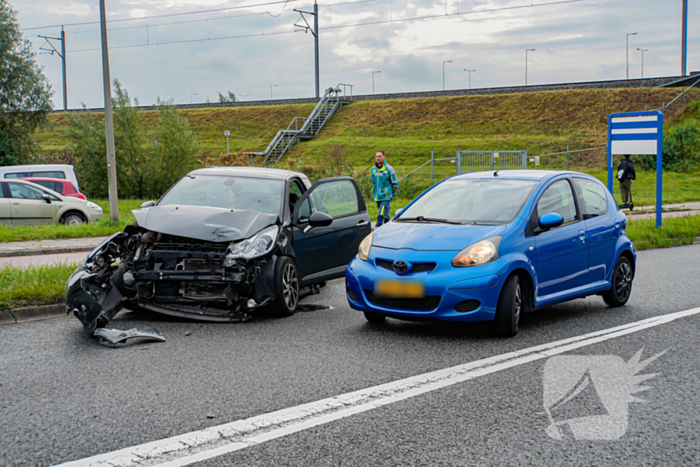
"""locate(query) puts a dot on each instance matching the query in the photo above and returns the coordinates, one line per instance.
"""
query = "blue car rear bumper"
(452, 294)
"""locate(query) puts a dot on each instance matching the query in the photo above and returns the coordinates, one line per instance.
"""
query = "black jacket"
(625, 170)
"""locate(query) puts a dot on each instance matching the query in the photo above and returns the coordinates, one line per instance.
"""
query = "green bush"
(681, 148)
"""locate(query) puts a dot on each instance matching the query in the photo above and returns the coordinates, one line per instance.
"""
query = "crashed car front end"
(218, 274)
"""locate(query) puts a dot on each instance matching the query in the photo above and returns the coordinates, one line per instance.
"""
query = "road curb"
(46, 251)
(32, 313)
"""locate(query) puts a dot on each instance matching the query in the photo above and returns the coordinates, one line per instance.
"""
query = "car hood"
(432, 237)
(204, 223)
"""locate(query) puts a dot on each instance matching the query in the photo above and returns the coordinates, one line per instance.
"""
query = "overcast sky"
(579, 41)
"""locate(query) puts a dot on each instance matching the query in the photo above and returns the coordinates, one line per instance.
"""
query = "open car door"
(323, 251)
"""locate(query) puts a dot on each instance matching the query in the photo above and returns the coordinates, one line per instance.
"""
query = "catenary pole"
(63, 56)
(318, 82)
(684, 40)
(109, 122)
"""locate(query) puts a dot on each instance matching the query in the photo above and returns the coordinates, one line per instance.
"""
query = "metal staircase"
(305, 127)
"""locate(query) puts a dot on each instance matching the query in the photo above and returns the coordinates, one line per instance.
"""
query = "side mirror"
(46, 198)
(148, 204)
(550, 220)
(320, 219)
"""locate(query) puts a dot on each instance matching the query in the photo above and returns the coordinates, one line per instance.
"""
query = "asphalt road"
(65, 397)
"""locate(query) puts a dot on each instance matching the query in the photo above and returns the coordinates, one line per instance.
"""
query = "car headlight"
(363, 251)
(94, 206)
(478, 253)
(258, 245)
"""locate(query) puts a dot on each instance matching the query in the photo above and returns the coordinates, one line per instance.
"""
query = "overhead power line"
(167, 15)
(368, 23)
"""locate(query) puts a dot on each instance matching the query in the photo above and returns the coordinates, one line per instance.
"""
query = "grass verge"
(45, 284)
(9, 233)
(675, 232)
(39, 285)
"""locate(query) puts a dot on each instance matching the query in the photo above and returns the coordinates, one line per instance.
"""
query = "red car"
(60, 186)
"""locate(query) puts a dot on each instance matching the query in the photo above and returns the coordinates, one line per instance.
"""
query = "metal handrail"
(294, 122)
(679, 95)
(317, 109)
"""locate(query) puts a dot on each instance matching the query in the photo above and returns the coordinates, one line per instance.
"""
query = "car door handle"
(362, 224)
(617, 225)
(581, 234)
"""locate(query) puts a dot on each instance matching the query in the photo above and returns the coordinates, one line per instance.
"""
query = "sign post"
(227, 134)
(637, 133)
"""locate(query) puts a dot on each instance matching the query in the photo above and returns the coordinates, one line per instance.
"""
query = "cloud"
(575, 42)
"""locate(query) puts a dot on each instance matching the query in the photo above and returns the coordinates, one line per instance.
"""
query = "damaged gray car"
(221, 244)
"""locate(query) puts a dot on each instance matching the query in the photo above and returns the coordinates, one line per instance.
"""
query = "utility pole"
(61, 54)
(526, 51)
(314, 30)
(627, 51)
(684, 40)
(109, 122)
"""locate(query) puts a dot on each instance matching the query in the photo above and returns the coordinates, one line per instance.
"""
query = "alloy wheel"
(623, 281)
(518, 305)
(73, 219)
(290, 286)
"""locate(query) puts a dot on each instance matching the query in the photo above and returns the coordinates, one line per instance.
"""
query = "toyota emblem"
(400, 267)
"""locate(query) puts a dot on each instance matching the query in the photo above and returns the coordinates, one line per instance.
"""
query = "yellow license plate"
(399, 289)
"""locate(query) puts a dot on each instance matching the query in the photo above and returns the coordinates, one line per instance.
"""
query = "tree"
(25, 94)
(152, 152)
(223, 98)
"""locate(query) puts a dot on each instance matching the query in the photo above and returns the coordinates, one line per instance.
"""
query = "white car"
(26, 203)
(60, 171)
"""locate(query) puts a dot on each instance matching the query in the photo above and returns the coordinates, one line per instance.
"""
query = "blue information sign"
(637, 133)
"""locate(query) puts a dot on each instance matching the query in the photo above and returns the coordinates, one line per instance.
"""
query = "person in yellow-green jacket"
(385, 186)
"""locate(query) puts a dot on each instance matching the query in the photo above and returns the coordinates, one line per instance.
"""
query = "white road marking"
(223, 439)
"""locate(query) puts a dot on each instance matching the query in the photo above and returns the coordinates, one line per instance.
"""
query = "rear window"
(55, 186)
(55, 174)
(17, 175)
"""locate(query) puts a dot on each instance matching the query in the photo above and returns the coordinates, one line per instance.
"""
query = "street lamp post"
(627, 52)
(373, 73)
(526, 51)
(443, 72)
(470, 77)
(642, 51)
(194, 94)
(273, 86)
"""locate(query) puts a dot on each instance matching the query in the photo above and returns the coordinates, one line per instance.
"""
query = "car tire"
(375, 318)
(621, 284)
(287, 288)
(509, 308)
(73, 218)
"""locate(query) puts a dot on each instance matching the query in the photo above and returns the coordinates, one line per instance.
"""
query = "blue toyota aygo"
(490, 246)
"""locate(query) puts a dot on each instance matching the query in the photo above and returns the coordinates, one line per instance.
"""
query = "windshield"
(250, 194)
(469, 201)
